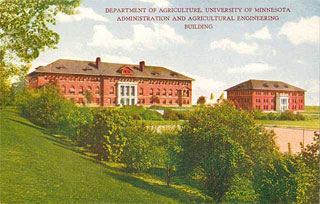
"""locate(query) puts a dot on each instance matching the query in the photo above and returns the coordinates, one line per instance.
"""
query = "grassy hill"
(38, 167)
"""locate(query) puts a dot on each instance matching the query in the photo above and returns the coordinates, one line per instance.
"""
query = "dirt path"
(292, 136)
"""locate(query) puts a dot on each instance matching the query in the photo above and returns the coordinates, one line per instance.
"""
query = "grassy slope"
(37, 167)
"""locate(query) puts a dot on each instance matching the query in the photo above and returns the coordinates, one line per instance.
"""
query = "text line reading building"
(111, 84)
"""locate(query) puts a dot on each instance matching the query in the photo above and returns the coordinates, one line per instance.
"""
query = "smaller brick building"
(267, 96)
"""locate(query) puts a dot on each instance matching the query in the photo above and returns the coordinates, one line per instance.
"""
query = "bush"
(289, 115)
(108, 133)
(151, 115)
(222, 142)
(141, 150)
(170, 115)
(45, 106)
(183, 115)
(282, 178)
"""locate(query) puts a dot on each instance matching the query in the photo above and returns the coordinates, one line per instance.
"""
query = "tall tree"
(24, 31)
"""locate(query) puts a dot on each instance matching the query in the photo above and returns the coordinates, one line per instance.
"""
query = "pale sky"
(231, 52)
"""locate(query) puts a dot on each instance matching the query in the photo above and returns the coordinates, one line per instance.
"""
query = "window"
(133, 101)
(109, 101)
(81, 101)
(112, 90)
(127, 90)
(141, 91)
(151, 91)
(187, 93)
(170, 92)
(63, 89)
(97, 101)
(164, 101)
(80, 90)
(158, 92)
(133, 91)
(72, 90)
(164, 92)
(97, 90)
(89, 89)
(122, 90)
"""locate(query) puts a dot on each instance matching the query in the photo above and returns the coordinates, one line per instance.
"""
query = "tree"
(310, 156)
(201, 100)
(24, 31)
(211, 97)
(275, 179)
(222, 142)
(169, 152)
(141, 151)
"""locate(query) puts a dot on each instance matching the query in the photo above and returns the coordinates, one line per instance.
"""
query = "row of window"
(265, 93)
(294, 100)
(265, 107)
(164, 92)
(294, 107)
(81, 90)
(163, 101)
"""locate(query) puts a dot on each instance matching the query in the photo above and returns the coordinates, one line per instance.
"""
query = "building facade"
(267, 96)
(111, 84)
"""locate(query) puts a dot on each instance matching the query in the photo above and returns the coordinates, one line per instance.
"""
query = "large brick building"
(113, 84)
(267, 96)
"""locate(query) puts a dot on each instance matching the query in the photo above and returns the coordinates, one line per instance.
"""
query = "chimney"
(142, 66)
(98, 62)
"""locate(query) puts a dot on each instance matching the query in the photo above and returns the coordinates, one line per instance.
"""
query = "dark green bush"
(170, 115)
(141, 150)
(45, 106)
(151, 115)
(287, 115)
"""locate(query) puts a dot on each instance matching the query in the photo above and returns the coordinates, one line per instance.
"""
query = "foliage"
(286, 115)
(274, 179)
(183, 115)
(45, 106)
(5, 87)
(141, 150)
(24, 31)
(170, 115)
(134, 111)
(108, 133)
(151, 115)
(310, 156)
(38, 167)
(201, 100)
(169, 152)
(88, 96)
(222, 141)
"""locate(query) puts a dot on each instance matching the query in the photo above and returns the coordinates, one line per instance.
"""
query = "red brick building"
(267, 96)
(113, 84)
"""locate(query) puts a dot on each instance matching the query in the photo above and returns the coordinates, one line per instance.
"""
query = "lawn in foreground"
(37, 167)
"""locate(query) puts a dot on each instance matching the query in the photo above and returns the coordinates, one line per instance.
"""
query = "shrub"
(169, 152)
(151, 115)
(45, 106)
(282, 178)
(183, 115)
(287, 115)
(108, 133)
(222, 142)
(272, 116)
(201, 100)
(141, 150)
(170, 115)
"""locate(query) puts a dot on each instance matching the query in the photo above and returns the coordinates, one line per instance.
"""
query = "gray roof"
(264, 85)
(66, 66)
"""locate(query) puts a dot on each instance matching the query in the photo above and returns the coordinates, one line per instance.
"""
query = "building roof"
(264, 85)
(66, 66)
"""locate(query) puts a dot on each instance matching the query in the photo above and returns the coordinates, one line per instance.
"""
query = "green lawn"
(312, 109)
(38, 167)
(309, 124)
